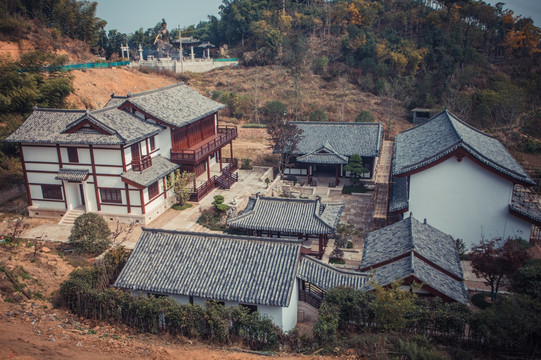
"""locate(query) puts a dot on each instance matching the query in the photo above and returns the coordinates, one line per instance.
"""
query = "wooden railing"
(225, 135)
(311, 295)
(142, 163)
(202, 190)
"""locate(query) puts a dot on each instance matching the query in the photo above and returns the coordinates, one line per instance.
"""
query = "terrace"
(202, 149)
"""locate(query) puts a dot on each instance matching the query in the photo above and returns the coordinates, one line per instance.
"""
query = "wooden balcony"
(142, 163)
(201, 150)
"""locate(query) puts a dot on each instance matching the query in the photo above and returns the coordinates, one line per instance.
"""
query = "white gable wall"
(466, 201)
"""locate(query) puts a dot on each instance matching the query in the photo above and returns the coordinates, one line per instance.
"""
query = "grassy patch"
(337, 261)
(182, 207)
(254, 126)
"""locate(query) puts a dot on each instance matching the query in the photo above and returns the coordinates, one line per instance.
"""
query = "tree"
(391, 304)
(284, 140)
(319, 114)
(493, 261)
(356, 168)
(90, 234)
(275, 111)
(179, 181)
(364, 116)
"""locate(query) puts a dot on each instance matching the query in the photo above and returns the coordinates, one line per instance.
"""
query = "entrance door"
(82, 194)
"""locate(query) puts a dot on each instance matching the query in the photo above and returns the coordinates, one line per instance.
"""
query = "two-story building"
(115, 160)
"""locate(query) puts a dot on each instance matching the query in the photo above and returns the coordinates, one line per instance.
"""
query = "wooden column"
(98, 200)
(336, 176)
(208, 168)
(231, 147)
(220, 153)
(25, 175)
(124, 167)
(164, 188)
(142, 195)
(194, 176)
(127, 197)
(321, 247)
(308, 168)
(59, 156)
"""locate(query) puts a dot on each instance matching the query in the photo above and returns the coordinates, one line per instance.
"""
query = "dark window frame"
(153, 190)
(152, 143)
(111, 195)
(73, 155)
(53, 192)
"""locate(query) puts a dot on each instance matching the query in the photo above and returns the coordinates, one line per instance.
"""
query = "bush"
(364, 116)
(275, 110)
(354, 189)
(90, 234)
(319, 64)
(179, 207)
(319, 115)
(246, 164)
(211, 219)
(480, 301)
(326, 327)
(527, 279)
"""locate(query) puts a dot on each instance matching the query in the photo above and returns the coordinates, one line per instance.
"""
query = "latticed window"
(153, 190)
(73, 156)
(152, 143)
(52, 192)
(109, 195)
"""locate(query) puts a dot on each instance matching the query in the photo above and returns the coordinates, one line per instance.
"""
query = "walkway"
(381, 191)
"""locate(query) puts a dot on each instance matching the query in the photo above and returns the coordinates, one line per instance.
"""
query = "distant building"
(463, 181)
(301, 219)
(326, 147)
(115, 161)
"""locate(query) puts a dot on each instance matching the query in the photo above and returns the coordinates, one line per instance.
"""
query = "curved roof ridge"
(154, 90)
(221, 236)
(431, 158)
(60, 110)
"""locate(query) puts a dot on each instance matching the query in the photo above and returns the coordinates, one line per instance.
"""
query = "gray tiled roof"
(326, 276)
(289, 216)
(526, 203)
(444, 133)
(48, 126)
(177, 105)
(71, 174)
(398, 200)
(426, 274)
(160, 168)
(115, 101)
(410, 235)
(345, 138)
(222, 267)
(325, 155)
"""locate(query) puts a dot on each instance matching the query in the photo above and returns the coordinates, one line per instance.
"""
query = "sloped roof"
(428, 249)
(526, 203)
(221, 267)
(71, 174)
(302, 216)
(160, 168)
(325, 155)
(345, 138)
(50, 126)
(399, 196)
(424, 273)
(443, 134)
(176, 105)
(326, 276)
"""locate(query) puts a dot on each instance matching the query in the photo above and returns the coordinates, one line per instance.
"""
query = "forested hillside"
(481, 62)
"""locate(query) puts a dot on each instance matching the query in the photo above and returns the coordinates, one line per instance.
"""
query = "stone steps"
(70, 216)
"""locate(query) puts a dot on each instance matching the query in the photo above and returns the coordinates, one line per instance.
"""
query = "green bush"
(319, 64)
(337, 261)
(90, 234)
(319, 114)
(354, 189)
(179, 207)
(275, 110)
(479, 300)
(364, 116)
(246, 164)
(326, 327)
(415, 351)
(527, 279)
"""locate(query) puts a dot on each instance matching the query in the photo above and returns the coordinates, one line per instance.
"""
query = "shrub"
(326, 327)
(90, 234)
(480, 301)
(275, 110)
(319, 114)
(527, 279)
(179, 207)
(354, 189)
(319, 64)
(364, 116)
(246, 164)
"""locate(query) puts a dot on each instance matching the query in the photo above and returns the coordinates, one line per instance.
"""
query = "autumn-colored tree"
(284, 140)
(494, 259)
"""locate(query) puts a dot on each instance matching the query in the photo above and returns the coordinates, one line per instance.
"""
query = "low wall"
(184, 66)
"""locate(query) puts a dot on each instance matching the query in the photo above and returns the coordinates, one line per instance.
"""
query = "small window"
(152, 144)
(153, 190)
(52, 192)
(73, 156)
(110, 196)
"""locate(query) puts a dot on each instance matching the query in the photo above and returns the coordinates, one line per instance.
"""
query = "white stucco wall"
(465, 201)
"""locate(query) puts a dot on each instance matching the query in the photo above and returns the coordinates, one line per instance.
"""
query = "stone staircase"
(70, 216)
